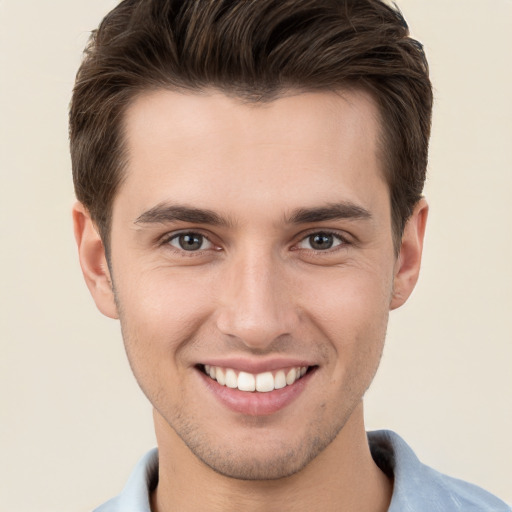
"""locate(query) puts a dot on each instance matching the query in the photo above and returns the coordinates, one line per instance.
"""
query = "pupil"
(191, 242)
(321, 241)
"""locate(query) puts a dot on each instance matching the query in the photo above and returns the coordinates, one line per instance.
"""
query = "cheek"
(349, 300)
(157, 320)
(160, 312)
(351, 311)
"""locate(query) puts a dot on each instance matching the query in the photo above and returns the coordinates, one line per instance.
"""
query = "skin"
(257, 290)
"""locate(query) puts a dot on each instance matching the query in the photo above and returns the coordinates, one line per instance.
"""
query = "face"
(251, 247)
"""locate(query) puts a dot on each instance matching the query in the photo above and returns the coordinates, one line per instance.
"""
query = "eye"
(320, 241)
(190, 242)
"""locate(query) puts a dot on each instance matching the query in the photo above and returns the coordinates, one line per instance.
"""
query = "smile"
(262, 382)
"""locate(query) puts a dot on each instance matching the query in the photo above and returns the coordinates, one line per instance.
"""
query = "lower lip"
(256, 403)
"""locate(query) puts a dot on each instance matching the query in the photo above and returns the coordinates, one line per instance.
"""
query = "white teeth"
(280, 380)
(246, 382)
(264, 382)
(231, 379)
(290, 376)
(221, 376)
(261, 382)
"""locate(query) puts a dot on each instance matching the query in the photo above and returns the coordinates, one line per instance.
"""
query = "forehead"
(211, 148)
(310, 118)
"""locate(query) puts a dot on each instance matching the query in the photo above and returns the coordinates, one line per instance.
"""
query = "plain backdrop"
(73, 421)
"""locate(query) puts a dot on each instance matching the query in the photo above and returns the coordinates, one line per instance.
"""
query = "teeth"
(220, 376)
(290, 376)
(261, 382)
(264, 382)
(231, 379)
(246, 382)
(280, 380)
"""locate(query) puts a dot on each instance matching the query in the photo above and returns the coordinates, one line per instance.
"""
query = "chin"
(260, 467)
(258, 458)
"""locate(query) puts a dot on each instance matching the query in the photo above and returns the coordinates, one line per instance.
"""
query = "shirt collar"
(416, 487)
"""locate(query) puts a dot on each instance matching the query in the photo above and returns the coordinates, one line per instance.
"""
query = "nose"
(257, 300)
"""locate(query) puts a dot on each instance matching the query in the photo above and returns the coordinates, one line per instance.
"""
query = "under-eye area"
(263, 382)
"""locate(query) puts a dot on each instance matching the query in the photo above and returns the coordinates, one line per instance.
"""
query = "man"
(249, 177)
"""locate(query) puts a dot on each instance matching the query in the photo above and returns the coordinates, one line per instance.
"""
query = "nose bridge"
(257, 305)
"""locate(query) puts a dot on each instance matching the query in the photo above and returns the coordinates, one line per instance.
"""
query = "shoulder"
(135, 496)
(420, 488)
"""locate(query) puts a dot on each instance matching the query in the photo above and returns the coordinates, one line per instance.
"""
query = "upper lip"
(256, 365)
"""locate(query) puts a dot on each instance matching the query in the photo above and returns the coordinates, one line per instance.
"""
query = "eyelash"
(343, 242)
(165, 241)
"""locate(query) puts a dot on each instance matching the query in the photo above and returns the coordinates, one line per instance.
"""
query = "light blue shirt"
(417, 488)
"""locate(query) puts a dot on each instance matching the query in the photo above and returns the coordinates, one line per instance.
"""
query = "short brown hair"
(255, 50)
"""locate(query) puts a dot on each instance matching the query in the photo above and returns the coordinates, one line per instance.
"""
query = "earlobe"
(408, 263)
(93, 261)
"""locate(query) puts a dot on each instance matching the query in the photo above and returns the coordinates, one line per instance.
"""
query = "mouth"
(256, 388)
(263, 382)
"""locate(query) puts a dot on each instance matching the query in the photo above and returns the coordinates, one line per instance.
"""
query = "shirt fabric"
(417, 488)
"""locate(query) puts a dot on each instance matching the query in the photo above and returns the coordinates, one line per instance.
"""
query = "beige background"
(73, 421)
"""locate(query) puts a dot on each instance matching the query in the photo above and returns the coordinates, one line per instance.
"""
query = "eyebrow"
(164, 213)
(335, 211)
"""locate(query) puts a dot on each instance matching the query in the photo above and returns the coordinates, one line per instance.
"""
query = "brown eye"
(190, 242)
(320, 241)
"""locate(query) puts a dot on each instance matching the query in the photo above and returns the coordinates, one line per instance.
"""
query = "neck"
(343, 477)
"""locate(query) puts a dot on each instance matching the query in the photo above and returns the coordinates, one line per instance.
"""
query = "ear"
(93, 261)
(407, 267)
